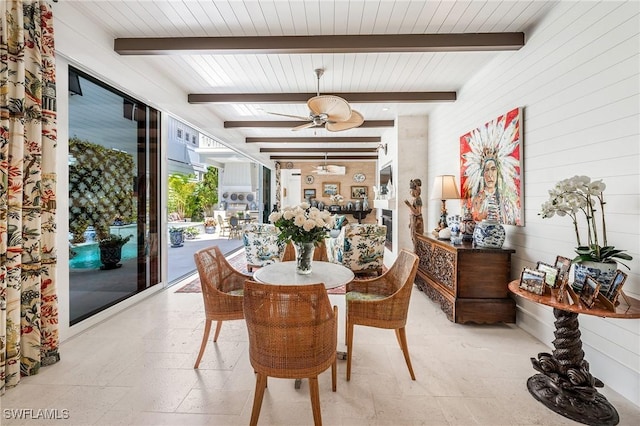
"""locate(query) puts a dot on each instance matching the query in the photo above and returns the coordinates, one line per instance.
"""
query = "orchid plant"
(302, 223)
(576, 197)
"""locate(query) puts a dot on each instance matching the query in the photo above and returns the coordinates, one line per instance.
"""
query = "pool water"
(88, 255)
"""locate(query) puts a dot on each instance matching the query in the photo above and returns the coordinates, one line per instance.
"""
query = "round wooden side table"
(564, 383)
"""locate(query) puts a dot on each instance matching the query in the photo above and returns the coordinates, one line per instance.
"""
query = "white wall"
(578, 80)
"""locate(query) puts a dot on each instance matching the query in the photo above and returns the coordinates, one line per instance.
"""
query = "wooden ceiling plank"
(352, 97)
(460, 42)
(290, 124)
(336, 139)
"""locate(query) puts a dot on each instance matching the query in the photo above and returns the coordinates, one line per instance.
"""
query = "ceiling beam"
(322, 157)
(326, 150)
(291, 124)
(352, 97)
(340, 139)
(460, 42)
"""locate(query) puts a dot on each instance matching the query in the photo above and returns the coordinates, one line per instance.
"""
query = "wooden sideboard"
(471, 284)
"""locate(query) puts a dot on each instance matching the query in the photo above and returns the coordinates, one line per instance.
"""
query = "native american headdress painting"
(491, 168)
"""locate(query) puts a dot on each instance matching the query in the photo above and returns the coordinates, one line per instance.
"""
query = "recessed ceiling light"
(385, 108)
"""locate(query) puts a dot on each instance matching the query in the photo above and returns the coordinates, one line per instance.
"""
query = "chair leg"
(349, 348)
(261, 384)
(315, 400)
(334, 372)
(402, 335)
(218, 327)
(205, 338)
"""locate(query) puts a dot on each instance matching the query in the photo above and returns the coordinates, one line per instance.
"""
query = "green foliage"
(114, 240)
(181, 190)
(206, 193)
(100, 187)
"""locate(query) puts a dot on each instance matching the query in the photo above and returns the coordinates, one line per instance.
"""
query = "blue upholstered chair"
(360, 247)
(261, 245)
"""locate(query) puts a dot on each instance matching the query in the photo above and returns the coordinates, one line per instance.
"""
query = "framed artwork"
(563, 264)
(358, 192)
(533, 281)
(590, 291)
(563, 281)
(330, 188)
(491, 168)
(309, 193)
(616, 286)
(552, 273)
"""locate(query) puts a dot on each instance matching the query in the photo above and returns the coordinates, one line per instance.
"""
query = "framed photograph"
(616, 285)
(562, 282)
(358, 192)
(563, 264)
(309, 194)
(330, 188)
(589, 291)
(552, 273)
(533, 281)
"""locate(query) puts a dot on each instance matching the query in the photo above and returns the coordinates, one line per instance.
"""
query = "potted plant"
(176, 236)
(209, 225)
(191, 232)
(579, 197)
(111, 250)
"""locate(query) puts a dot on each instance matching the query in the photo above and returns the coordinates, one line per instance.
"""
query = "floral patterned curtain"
(28, 300)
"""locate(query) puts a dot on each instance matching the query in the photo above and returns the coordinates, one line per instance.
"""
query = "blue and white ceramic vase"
(489, 233)
(603, 272)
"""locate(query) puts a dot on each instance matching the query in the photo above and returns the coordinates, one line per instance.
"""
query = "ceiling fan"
(330, 169)
(331, 112)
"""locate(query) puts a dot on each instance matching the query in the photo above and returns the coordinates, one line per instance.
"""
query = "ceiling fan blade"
(355, 120)
(299, 117)
(336, 108)
(304, 126)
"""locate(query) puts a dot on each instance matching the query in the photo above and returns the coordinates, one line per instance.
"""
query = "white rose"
(309, 225)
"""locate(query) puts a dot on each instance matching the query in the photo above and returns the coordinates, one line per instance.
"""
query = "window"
(179, 133)
(113, 195)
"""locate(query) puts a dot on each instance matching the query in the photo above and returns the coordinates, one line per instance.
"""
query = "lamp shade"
(444, 188)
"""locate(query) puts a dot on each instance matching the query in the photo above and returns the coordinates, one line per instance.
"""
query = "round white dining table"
(332, 275)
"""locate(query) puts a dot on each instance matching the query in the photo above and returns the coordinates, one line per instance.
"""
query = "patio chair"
(222, 288)
(224, 226)
(382, 302)
(292, 335)
(261, 245)
(234, 227)
(360, 247)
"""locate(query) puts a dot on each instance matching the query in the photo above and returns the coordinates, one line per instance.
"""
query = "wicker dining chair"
(293, 333)
(319, 254)
(382, 302)
(222, 288)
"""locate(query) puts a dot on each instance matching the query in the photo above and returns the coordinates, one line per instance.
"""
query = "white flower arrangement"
(576, 195)
(302, 223)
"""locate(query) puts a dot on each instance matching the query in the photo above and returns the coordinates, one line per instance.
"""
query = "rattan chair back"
(292, 334)
(319, 254)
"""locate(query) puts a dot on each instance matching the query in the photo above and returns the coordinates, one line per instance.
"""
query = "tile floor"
(137, 369)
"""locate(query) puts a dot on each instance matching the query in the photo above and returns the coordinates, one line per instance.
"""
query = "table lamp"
(444, 188)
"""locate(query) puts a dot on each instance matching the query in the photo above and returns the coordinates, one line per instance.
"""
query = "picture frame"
(552, 273)
(590, 291)
(563, 264)
(358, 192)
(533, 281)
(309, 193)
(616, 286)
(330, 188)
(562, 283)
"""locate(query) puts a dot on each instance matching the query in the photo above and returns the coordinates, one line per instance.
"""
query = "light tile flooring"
(137, 369)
